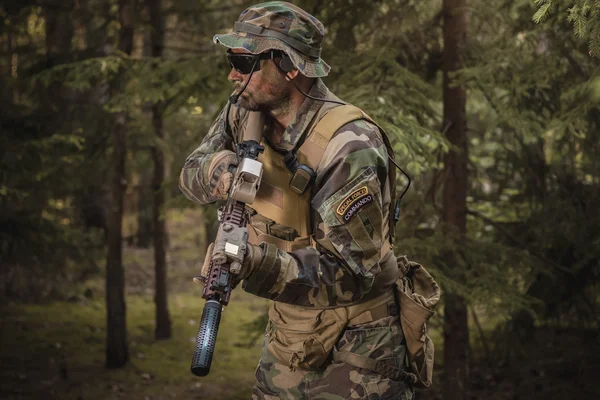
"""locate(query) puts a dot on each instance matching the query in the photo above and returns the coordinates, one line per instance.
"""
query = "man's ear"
(291, 75)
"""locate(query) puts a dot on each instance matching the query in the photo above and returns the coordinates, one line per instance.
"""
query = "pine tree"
(117, 353)
(163, 320)
(456, 330)
(584, 15)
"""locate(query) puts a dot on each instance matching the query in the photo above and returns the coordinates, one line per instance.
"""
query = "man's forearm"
(194, 180)
(306, 278)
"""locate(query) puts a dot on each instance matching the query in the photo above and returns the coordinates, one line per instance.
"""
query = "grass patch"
(57, 351)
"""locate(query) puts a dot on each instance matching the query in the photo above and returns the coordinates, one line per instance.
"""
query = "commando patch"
(347, 202)
(354, 202)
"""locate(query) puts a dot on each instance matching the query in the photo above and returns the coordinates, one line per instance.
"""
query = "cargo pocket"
(381, 388)
(383, 344)
(302, 338)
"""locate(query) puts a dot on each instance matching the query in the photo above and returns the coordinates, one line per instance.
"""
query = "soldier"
(320, 240)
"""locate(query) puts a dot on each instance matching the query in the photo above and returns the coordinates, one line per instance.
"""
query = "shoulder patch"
(354, 202)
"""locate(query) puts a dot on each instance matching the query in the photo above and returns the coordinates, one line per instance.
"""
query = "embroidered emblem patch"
(347, 202)
(354, 202)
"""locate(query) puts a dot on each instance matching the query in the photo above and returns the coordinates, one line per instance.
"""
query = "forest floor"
(56, 350)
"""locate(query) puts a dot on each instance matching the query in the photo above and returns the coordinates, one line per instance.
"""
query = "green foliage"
(37, 222)
(533, 121)
(529, 261)
(534, 129)
(546, 7)
(584, 15)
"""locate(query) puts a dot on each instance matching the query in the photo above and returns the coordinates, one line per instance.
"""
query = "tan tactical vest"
(305, 338)
(284, 217)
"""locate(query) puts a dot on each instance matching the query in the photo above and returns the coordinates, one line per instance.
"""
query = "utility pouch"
(303, 338)
(417, 294)
(303, 177)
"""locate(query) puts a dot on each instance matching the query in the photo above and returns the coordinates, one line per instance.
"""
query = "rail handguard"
(226, 259)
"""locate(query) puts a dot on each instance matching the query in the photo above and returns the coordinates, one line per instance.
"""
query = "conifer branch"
(516, 241)
(484, 342)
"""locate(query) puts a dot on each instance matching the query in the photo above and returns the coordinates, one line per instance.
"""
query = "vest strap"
(370, 310)
(383, 310)
(286, 245)
(313, 148)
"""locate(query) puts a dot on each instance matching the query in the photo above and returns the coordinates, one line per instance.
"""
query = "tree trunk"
(92, 200)
(145, 192)
(536, 162)
(59, 30)
(145, 220)
(456, 333)
(117, 353)
(163, 320)
(59, 34)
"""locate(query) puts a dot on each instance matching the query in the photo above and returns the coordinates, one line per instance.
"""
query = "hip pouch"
(417, 294)
(303, 337)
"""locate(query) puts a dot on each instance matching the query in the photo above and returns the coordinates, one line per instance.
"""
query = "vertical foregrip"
(207, 338)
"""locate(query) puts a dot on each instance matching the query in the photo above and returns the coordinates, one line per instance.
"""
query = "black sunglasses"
(245, 63)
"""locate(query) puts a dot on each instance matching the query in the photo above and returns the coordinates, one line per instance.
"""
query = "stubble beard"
(275, 99)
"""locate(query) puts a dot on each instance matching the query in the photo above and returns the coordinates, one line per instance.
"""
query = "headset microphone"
(286, 65)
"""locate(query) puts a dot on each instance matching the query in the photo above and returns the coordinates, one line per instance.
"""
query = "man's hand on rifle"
(220, 175)
(252, 259)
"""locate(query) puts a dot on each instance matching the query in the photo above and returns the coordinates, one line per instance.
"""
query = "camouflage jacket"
(356, 156)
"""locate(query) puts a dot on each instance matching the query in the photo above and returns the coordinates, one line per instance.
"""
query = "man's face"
(268, 90)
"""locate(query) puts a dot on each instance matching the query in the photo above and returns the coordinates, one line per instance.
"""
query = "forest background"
(493, 108)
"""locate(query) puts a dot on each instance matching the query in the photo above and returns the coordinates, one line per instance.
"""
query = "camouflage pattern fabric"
(196, 181)
(356, 158)
(379, 340)
(353, 167)
(282, 18)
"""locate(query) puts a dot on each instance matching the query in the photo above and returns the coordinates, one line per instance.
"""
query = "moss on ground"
(56, 351)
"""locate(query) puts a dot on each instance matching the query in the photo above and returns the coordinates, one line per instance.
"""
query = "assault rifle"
(227, 258)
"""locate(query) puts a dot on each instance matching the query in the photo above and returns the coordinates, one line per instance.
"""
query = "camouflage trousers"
(380, 340)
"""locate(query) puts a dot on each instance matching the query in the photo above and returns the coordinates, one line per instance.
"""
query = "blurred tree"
(456, 330)
(117, 353)
(583, 14)
(529, 255)
(534, 141)
(163, 320)
(39, 154)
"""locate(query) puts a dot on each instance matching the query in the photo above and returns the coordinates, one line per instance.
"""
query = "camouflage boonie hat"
(281, 26)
